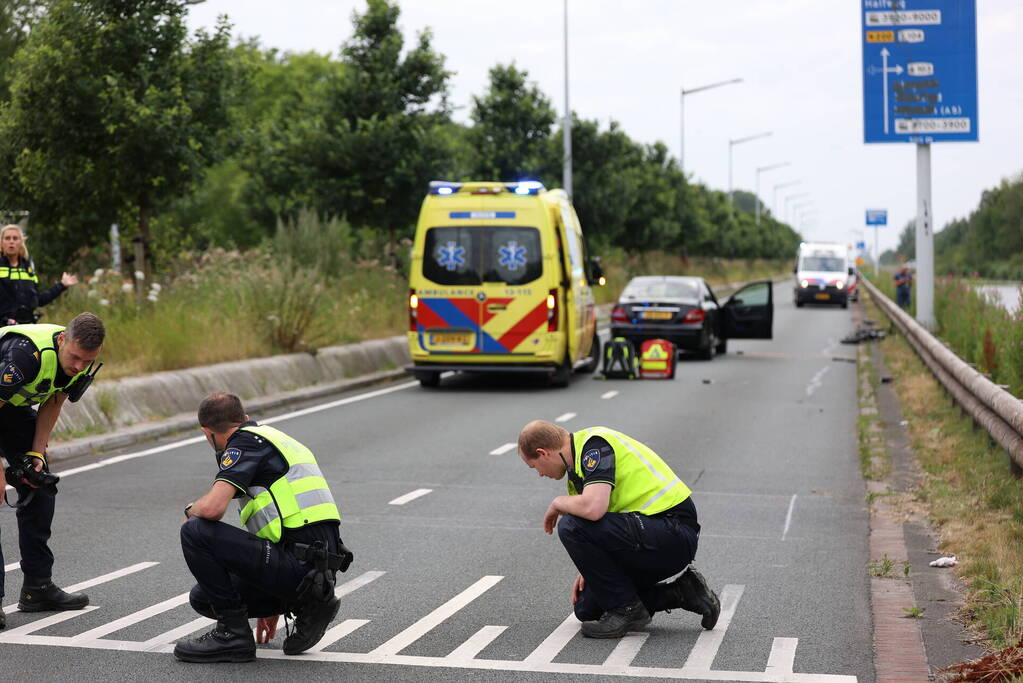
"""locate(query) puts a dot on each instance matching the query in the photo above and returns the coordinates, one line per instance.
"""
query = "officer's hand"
(68, 280)
(577, 588)
(37, 465)
(266, 629)
(550, 518)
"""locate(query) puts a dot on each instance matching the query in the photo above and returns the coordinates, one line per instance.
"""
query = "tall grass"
(976, 327)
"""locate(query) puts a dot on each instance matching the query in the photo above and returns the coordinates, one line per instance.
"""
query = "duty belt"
(304, 552)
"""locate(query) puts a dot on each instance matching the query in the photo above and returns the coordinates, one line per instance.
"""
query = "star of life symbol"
(451, 256)
(512, 256)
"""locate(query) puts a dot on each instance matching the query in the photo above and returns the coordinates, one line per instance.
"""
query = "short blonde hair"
(23, 251)
(540, 434)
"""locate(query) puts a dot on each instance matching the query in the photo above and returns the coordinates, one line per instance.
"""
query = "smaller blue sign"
(861, 245)
(877, 216)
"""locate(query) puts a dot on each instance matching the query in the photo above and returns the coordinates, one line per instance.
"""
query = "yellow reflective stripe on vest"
(643, 481)
(8, 273)
(298, 498)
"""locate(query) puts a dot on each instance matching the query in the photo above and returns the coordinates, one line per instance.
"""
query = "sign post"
(877, 217)
(920, 86)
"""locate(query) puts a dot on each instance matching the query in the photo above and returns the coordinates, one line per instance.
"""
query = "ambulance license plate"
(657, 315)
(822, 296)
(449, 339)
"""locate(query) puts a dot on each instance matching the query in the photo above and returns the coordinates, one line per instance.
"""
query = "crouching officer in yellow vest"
(627, 522)
(40, 365)
(286, 558)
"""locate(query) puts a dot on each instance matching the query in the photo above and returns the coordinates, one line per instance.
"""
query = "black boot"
(42, 595)
(311, 621)
(616, 622)
(691, 592)
(229, 641)
(3, 619)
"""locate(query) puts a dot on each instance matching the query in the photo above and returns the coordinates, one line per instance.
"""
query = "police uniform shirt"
(598, 466)
(19, 364)
(251, 460)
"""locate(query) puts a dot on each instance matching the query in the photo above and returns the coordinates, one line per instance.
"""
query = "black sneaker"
(230, 640)
(311, 622)
(691, 592)
(616, 622)
(48, 597)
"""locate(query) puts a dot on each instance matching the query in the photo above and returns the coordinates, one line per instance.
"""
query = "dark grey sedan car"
(685, 311)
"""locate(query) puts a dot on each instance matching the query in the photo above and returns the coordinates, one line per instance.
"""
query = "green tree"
(113, 111)
(16, 18)
(906, 248)
(511, 126)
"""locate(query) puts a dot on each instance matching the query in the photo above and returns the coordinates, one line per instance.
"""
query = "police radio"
(77, 389)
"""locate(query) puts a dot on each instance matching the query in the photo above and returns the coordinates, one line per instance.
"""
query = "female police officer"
(627, 523)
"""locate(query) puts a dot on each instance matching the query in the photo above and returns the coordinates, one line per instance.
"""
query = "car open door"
(749, 312)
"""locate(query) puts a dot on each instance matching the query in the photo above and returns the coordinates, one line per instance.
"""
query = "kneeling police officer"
(627, 522)
(286, 560)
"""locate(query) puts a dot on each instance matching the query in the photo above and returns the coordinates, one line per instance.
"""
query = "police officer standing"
(44, 365)
(627, 523)
(286, 558)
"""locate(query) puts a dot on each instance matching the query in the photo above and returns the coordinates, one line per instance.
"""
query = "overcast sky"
(800, 61)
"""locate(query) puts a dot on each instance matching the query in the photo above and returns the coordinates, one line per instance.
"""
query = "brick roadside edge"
(899, 653)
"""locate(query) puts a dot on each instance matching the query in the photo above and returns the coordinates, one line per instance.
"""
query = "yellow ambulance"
(500, 282)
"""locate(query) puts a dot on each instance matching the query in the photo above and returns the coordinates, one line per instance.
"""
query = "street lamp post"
(682, 116)
(731, 144)
(763, 169)
(790, 198)
(566, 168)
(774, 198)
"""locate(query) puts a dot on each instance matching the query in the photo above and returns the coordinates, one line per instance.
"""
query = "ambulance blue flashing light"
(444, 187)
(526, 187)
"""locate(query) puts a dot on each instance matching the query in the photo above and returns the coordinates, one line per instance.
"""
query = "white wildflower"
(104, 302)
(127, 287)
(92, 294)
(156, 286)
(98, 273)
(153, 297)
(139, 275)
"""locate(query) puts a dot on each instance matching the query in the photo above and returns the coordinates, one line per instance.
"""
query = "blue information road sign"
(877, 216)
(919, 70)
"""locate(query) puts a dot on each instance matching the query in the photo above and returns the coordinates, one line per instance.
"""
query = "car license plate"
(449, 339)
(822, 296)
(657, 315)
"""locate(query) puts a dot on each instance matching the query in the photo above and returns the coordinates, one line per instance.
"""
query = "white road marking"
(554, 643)
(134, 618)
(564, 418)
(356, 583)
(788, 517)
(411, 495)
(501, 450)
(197, 439)
(609, 394)
(45, 622)
(626, 649)
(477, 641)
(98, 580)
(817, 381)
(437, 616)
(338, 632)
(708, 642)
(618, 663)
(12, 566)
(783, 656)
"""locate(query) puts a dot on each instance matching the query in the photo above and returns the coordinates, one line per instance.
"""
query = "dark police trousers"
(17, 430)
(234, 568)
(622, 556)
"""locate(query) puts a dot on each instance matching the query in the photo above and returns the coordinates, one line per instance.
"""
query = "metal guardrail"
(994, 408)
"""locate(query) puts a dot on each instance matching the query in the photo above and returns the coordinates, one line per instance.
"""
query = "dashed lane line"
(564, 418)
(501, 450)
(788, 517)
(411, 495)
(609, 394)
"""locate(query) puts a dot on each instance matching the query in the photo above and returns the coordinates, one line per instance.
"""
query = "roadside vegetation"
(967, 493)
(976, 328)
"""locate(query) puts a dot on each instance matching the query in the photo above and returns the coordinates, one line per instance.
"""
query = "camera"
(43, 481)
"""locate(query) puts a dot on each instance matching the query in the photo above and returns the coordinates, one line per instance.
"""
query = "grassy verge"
(967, 493)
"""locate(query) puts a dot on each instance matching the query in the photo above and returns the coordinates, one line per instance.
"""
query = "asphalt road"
(460, 582)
